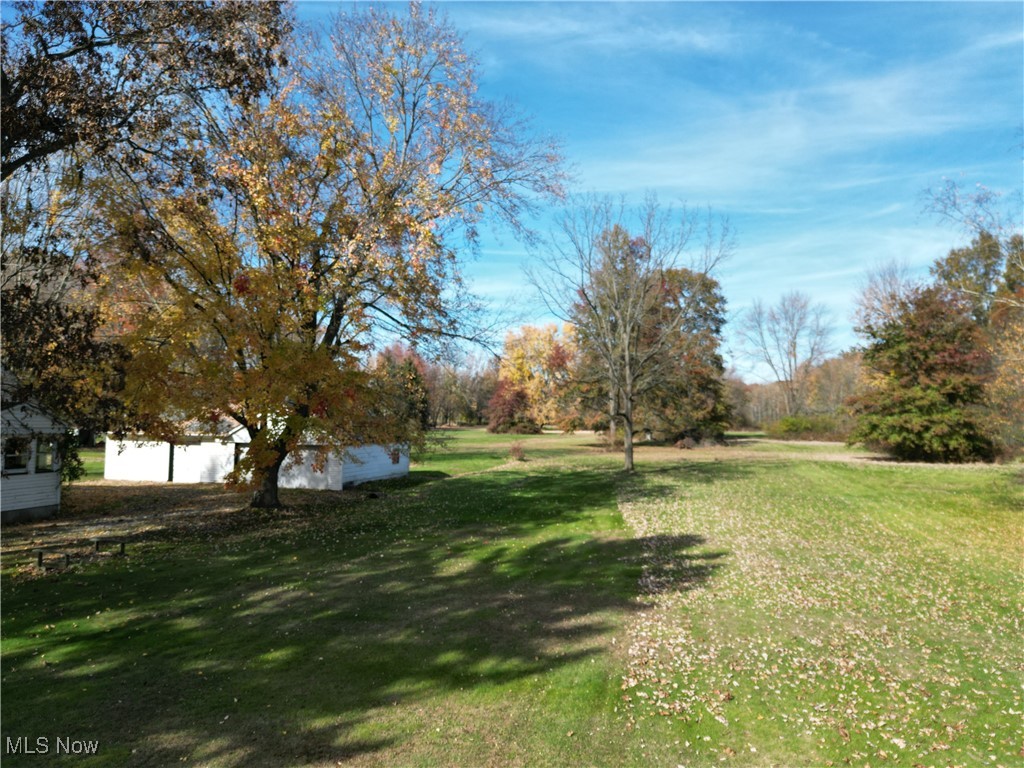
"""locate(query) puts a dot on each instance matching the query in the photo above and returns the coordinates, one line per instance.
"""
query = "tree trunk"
(613, 413)
(627, 416)
(627, 442)
(265, 495)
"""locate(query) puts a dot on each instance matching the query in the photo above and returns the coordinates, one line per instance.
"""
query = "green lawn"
(861, 615)
(729, 606)
(459, 451)
(93, 461)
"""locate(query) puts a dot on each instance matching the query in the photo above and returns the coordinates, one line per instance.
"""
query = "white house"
(207, 458)
(30, 480)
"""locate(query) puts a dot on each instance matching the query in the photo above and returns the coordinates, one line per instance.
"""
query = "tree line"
(939, 375)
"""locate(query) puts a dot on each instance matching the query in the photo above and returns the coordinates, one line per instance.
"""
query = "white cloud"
(817, 144)
(593, 28)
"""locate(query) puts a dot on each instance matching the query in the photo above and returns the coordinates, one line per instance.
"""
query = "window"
(17, 452)
(46, 455)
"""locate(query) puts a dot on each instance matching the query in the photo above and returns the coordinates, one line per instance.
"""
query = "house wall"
(142, 460)
(373, 462)
(207, 462)
(302, 474)
(28, 494)
(27, 420)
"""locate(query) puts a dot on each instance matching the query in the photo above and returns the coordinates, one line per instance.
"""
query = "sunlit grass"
(457, 451)
(93, 461)
(865, 615)
(435, 624)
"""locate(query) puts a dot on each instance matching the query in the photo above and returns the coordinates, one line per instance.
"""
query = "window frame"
(47, 447)
(27, 452)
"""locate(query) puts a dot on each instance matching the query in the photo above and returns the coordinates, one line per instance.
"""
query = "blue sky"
(814, 127)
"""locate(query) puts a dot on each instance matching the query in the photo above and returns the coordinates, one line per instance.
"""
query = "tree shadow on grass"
(283, 638)
(414, 478)
(662, 480)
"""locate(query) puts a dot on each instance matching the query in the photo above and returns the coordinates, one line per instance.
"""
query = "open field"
(756, 604)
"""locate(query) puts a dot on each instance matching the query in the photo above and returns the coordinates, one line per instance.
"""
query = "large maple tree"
(615, 285)
(314, 221)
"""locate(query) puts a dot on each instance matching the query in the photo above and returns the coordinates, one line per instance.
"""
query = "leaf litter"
(822, 635)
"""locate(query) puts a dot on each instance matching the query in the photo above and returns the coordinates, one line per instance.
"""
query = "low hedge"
(817, 427)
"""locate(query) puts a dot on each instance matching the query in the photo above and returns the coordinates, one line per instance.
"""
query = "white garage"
(209, 458)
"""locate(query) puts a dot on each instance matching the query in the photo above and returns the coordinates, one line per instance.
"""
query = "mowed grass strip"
(465, 622)
(861, 614)
(93, 460)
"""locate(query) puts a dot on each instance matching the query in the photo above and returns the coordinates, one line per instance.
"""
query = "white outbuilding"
(207, 457)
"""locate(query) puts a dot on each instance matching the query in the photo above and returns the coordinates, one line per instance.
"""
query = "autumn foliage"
(509, 411)
(928, 368)
(315, 223)
(539, 361)
(113, 76)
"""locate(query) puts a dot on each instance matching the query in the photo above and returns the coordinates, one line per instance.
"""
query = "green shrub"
(919, 424)
(818, 427)
(524, 427)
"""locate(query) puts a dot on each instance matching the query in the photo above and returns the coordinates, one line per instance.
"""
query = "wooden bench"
(42, 552)
(99, 541)
(44, 555)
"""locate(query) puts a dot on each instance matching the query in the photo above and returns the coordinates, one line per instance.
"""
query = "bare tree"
(985, 214)
(606, 273)
(884, 287)
(975, 211)
(791, 338)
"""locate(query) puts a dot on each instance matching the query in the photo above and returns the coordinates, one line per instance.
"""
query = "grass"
(746, 605)
(866, 615)
(465, 450)
(93, 460)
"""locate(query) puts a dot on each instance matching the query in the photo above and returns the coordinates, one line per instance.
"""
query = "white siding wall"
(144, 460)
(209, 462)
(373, 462)
(29, 490)
(206, 462)
(26, 420)
(25, 491)
(302, 475)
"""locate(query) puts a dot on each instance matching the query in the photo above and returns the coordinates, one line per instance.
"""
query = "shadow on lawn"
(292, 639)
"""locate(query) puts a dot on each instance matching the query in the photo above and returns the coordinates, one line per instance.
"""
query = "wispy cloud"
(814, 127)
(790, 136)
(587, 28)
